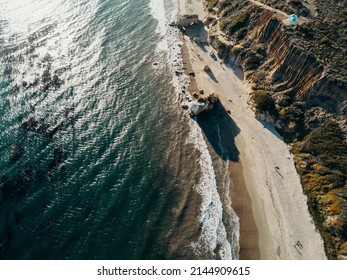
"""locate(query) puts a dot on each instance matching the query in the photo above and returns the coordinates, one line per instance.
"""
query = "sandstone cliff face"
(288, 68)
(296, 72)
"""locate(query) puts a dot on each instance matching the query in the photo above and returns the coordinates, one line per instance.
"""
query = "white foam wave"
(158, 12)
(170, 44)
(213, 234)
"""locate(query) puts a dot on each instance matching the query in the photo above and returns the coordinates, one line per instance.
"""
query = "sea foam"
(169, 44)
(213, 232)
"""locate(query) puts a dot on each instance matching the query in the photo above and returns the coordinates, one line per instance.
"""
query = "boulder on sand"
(207, 68)
(188, 20)
(203, 104)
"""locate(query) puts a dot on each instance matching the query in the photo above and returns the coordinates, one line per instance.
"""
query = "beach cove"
(266, 192)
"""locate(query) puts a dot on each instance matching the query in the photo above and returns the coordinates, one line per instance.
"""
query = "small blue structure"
(293, 18)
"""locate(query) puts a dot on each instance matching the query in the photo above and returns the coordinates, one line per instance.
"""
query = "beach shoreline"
(266, 192)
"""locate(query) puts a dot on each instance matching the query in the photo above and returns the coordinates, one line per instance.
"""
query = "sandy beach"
(266, 193)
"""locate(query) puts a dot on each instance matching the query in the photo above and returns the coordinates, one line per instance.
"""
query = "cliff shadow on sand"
(237, 69)
(271, 128)
(197, 32)
(220, 130)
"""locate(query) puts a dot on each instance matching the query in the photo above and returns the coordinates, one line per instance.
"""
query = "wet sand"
(242, 204)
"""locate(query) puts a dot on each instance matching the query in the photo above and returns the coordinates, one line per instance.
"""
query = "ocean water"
(98, 160)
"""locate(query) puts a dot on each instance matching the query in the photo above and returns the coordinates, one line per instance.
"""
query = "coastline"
(266, 193)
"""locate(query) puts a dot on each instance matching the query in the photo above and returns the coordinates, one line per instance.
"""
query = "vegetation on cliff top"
(234, 22)
(321, 161)
(324, 34)
(264, 102)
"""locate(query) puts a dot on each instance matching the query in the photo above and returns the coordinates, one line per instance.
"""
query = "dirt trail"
(269, 8)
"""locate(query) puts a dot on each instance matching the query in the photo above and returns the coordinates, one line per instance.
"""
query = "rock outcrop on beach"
(187, 20)
(202, 104)
(299, 83)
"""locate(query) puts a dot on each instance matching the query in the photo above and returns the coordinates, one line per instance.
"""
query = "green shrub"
(222, 49)
(211, 4)
(263, 101)
(231, 24)
(236, 50)
(328, 142)
(252, 62)
(254, 86)
(241, 33)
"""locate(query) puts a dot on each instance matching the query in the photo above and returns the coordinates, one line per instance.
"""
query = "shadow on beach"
(271, 128)
(220, 130)
(198, 32)
(212, 76)
(238, 71)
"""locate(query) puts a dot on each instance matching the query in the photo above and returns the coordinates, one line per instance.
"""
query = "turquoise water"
(95, 161)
